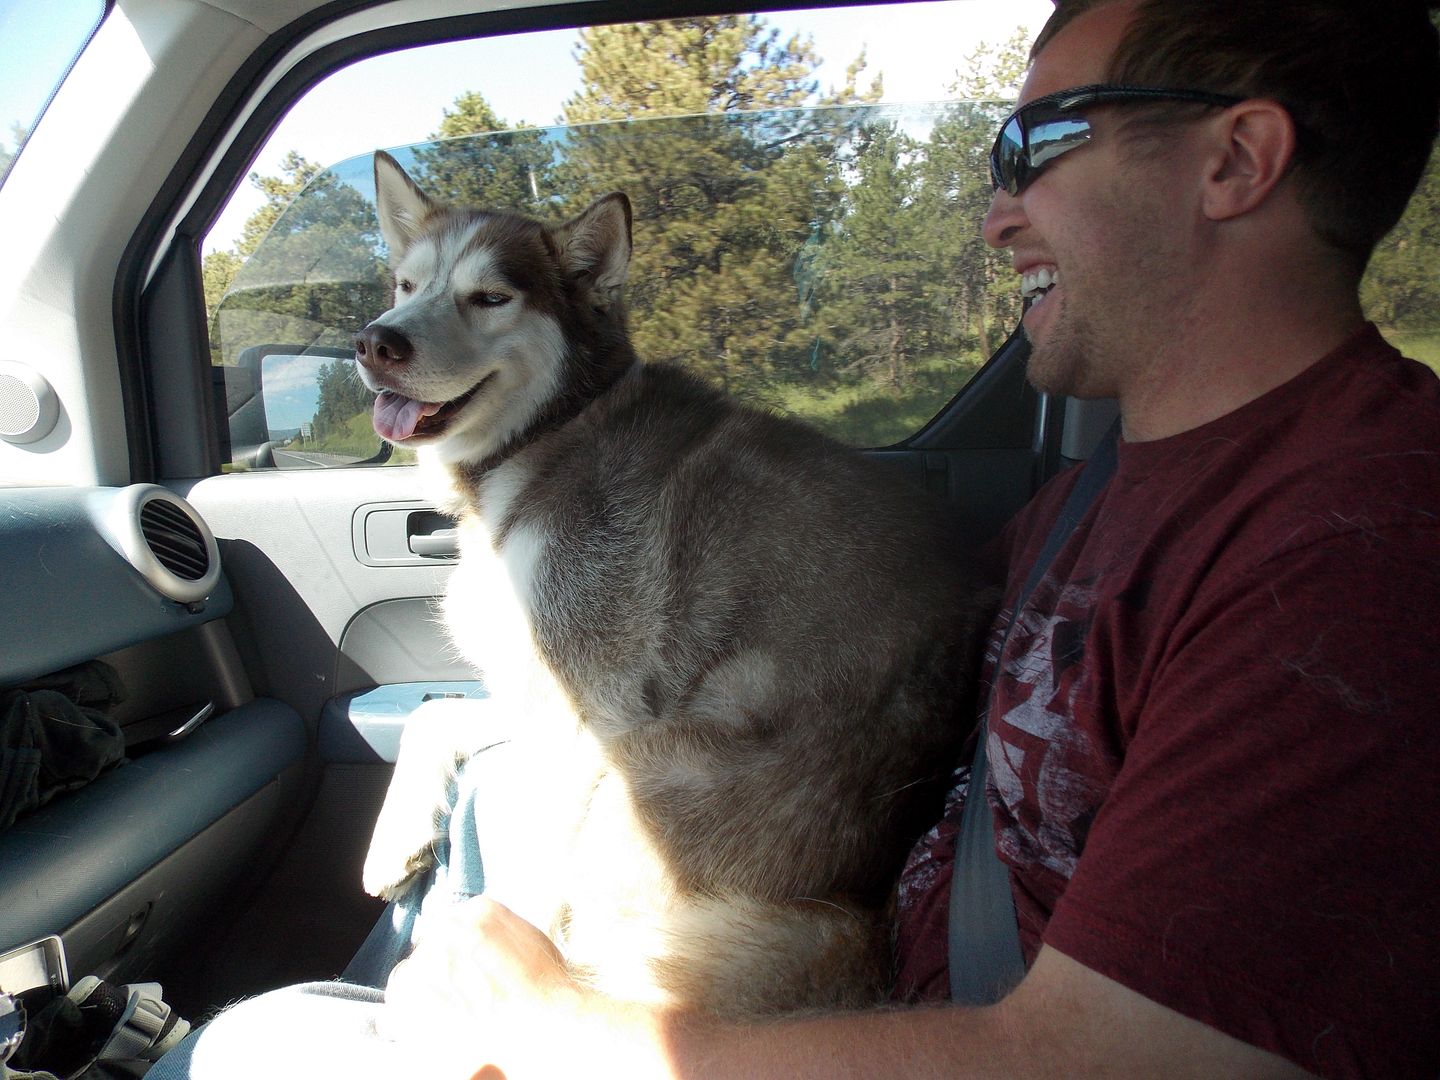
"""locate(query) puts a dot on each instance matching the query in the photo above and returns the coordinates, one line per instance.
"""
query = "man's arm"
(504, 1000)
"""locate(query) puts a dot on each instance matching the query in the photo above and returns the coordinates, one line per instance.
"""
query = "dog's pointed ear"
(399, 203)
(595, 248)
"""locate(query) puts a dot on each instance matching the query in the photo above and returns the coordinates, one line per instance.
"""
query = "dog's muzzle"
(376, 346)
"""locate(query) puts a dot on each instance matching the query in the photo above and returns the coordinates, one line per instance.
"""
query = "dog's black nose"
(382, 345)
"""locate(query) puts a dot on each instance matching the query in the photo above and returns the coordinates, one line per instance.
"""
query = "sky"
(397, 99)
(292, 389)
(40, 39)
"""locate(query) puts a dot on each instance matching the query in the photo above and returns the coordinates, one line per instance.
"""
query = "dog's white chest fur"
(490, 602)
(489, 607)
(570, 853)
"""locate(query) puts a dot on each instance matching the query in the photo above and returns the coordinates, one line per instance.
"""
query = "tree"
(342, 396)
(727, 188)
(220, 267)
(980, 290)
(472, 115)
(318, 277)
(732, 63)
(994, 72)
(477, 160)
(280, 192)
(218, 270)
(1400, 291)
(789, 243)
(875, 271)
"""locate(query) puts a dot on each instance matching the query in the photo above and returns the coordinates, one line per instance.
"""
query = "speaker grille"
(175, 539)
(19, 407)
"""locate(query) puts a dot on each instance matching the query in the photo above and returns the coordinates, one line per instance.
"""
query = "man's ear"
(400, 205)
(594, 248)
(1255, 147)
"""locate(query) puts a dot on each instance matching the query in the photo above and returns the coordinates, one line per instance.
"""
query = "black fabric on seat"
(56, 735)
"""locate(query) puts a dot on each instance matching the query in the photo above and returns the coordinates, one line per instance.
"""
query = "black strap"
(985, 958)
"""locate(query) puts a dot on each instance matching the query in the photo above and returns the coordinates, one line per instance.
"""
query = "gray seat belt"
(984, 948)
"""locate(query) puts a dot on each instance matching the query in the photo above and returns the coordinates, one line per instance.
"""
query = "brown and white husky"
(740, 652)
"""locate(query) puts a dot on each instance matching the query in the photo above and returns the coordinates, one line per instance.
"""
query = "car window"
(801, 238)
(42, 40)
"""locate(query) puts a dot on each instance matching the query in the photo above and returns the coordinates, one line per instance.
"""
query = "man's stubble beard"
(1065, 362)
(1108, 341)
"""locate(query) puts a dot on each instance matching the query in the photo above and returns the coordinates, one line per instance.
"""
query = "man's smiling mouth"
(1035, 284)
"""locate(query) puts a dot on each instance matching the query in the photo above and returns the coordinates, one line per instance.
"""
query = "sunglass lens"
(1051, 138)
(1007, 156)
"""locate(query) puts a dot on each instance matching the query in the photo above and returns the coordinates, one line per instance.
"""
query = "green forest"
(813, 253)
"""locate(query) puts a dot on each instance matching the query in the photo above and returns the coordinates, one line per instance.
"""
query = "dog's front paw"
(440, 736)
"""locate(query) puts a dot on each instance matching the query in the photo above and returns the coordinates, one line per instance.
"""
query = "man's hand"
(487, 989)
(482, 985)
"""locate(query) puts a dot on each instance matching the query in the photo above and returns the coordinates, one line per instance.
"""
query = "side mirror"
(298, 407)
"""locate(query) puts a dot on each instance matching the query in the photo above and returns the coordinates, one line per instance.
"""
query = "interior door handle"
(441, 543)
(168, 727)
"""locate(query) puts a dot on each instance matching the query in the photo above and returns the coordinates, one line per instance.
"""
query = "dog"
(738, 654)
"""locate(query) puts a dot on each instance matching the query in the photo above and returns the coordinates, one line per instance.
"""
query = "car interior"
(262, 590)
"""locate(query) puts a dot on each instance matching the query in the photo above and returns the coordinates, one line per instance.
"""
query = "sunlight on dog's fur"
(737, 655)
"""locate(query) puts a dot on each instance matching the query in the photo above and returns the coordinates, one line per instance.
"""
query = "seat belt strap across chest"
(985, 960)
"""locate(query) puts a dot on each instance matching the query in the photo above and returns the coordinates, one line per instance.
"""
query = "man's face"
(1105, 222)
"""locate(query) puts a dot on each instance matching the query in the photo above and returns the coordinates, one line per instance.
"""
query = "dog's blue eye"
(489, 299)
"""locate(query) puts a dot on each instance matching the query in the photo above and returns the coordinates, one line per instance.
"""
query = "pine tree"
(975, 285)
(726, 188)
(316, 279)
(342, 397)
(732, 63)
(876, 273)
(475, 159)
(781, 248)
(1400, 290)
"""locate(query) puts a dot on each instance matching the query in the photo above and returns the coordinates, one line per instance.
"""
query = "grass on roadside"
(875, 414)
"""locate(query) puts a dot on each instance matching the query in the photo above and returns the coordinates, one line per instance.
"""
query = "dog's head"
(500, 322)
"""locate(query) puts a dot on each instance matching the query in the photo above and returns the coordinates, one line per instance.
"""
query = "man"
(1212, 735)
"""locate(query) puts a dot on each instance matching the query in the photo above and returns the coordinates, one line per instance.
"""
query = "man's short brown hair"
(1362, 81)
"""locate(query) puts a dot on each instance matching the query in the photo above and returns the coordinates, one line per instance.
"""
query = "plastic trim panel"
(76, 852)
(69, 596)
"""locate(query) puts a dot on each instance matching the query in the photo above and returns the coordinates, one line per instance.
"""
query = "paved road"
(308, 459)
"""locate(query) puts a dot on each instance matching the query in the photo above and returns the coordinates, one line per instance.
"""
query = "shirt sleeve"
(1268, 859)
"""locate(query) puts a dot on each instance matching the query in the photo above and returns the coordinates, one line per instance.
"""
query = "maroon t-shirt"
(1215, 733)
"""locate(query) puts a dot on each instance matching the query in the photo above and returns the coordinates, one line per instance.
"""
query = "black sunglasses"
(1038, 132)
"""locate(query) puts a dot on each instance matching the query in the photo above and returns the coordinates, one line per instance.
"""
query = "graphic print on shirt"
(1040, 760)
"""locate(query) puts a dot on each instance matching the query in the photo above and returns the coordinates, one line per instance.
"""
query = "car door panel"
(131, 861)
(127, 868)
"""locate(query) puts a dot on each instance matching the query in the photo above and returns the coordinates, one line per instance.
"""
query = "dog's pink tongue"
(396, 415)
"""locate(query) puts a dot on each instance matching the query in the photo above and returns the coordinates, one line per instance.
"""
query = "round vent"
(175, 539)
(162, 536)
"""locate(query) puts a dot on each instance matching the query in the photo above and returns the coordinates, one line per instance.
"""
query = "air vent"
(175, 539)
(163, 537)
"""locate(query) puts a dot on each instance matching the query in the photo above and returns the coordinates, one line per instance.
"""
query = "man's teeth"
(1032, 285)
